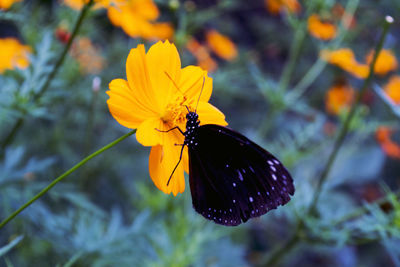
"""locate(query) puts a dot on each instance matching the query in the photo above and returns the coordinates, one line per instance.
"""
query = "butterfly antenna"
(202, 87)
(176, 86)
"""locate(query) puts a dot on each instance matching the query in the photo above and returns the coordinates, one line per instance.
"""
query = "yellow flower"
(392, 89)
(277, 6)
(153, 99)
(221, 45)
(13, 54)
(78, 4)
(6, 4)
(136, 18)
(201, 53)
(319, 29)
(385, 62)
(339, 97)
(88, 56)
(383, 136)
(345, 59)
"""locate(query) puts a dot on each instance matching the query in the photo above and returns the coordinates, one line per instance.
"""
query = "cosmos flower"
(338, 98)
(320, 29)
(154, 98)
(6, 4)
(221, 45)
(345, 59)
(13, 54)
(385, 63)
(392, 89)
(202, 54)
(135, 17)
(88, 56)
(277, 6)
(383, 136)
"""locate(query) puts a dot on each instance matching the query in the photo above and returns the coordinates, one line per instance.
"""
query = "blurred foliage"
(108, 213)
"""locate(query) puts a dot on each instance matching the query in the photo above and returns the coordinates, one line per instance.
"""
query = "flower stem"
(62, 176)
(10, 137)
(291, 243)
(345, 128)
(294, 53)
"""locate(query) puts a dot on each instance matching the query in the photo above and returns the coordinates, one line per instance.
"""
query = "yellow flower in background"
(154, 97)
(221, 45)
(6, 4)
(13, 54)
(386, 62)
(345, 59)
(321, 30)
(383, 136)
(277, 6)
(392, 89)
(88, 56)
(78, 4)
(338, 98)
(136, 18)
(201, 53)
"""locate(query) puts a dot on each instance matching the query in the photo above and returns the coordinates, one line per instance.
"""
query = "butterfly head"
(192, 118)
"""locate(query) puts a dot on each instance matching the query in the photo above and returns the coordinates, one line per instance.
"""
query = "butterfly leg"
(176, 127)
(180, 158)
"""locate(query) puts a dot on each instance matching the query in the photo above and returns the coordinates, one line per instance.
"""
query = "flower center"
(175, 112)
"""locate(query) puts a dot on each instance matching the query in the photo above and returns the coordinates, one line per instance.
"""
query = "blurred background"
(285, 72)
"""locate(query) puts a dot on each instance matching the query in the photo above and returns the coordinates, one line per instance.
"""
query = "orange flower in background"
(339, 12)
(221, 45)
(277, 6)
(392, 89)
(338, 98)
(201, 53)
(13, 54)
(345, 59)
(6, 4)
(153, 99)
(78, 4)
(386, 61)
(383, 136)
(88, 56)
(136, 18)
(321, 30)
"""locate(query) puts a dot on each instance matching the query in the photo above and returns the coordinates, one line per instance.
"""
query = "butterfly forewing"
(233, 179)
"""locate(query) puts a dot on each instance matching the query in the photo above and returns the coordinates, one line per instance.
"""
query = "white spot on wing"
(273, 168)
(251, 199)
(234, 184)
(276, 162)
(274, 177)
(270, 162)
(240, 176)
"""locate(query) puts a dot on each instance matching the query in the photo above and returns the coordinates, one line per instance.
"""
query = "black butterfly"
(232, 179)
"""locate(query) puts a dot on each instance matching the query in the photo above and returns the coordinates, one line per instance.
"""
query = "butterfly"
(232, 179)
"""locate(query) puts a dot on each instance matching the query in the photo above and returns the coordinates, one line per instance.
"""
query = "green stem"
(62, 176)
(294, 53)
(10, 137)
(278, 254)
(320, 64)
(344, 130)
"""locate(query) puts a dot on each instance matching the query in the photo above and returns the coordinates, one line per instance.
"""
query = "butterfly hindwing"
(232, 179)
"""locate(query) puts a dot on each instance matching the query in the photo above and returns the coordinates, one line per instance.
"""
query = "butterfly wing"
(232, 179)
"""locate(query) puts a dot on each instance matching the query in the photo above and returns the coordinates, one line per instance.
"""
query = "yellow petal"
(208, 114)
(124, 107)
(163, 58)
(191, 82)
(162, 161)
(147, 134)
(138, 76)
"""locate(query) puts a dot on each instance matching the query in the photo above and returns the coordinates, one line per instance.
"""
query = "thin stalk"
(294, 53)
(286, 247)
(10, 137)
(320, 64)
(345, 128)
(62, 176)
